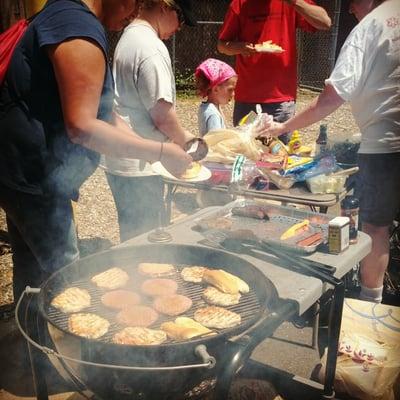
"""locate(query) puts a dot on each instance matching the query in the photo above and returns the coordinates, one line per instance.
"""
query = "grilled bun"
(184, 328)
(225, 282)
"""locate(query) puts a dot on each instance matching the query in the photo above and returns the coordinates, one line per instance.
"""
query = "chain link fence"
(190, 46)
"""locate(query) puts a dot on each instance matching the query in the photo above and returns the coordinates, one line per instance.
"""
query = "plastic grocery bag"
(368, 364)
(224, 145)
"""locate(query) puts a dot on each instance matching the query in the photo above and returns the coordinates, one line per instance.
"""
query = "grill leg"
(335, 320)
(37, 358)
(241, 352)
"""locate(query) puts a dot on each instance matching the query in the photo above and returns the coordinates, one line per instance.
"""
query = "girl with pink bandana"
(215, 82)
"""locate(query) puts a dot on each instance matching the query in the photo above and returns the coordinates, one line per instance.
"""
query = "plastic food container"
(326, 184)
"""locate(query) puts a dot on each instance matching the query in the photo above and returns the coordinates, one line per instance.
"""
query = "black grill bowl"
(108, 383)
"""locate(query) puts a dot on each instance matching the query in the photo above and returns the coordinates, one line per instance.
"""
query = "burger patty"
(137, 316)
(172, 305)
(217, 317)
(159, 287)
(120, 299)
(139, 336)
(156, 269)
(72, 300)
(214, 296)
(193, 274)
(112, 278)
(88, 325)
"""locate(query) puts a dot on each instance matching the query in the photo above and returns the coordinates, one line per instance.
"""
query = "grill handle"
(200, 350)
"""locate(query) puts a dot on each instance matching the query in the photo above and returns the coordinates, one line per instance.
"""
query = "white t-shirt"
(209, 118)
(367, 75)
(143, 75)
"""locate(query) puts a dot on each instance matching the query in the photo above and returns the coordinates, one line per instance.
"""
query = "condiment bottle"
(349, 208)
(294, 143)
(321, 144)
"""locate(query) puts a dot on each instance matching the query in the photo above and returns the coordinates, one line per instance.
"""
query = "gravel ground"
(95, 211)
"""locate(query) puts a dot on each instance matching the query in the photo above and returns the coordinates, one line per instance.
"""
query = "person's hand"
(175, 159)
(248, 49)
(188, 137)
(267, 127)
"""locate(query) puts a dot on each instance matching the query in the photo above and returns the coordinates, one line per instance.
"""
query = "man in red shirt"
(268, 79)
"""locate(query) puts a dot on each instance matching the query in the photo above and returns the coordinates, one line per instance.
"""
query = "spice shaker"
(350, 208)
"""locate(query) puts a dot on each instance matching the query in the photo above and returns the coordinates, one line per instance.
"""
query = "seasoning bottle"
(349, 208)
(294, 143)
(321, 144)
(338, 235)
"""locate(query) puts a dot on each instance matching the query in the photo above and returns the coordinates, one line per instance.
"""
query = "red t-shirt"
(265, 77)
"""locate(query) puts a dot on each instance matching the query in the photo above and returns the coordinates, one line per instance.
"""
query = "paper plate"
(261, 50)
(203, 175)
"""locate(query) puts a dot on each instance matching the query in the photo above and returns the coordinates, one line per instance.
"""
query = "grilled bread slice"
(72, 300)
(225, 282)
(88, 325)
(193, 274)
(156, 269)
(185, 328)
(139, 336)
(137, 316)
(159, 287)
(172, 305)
(217, 317)
(214, 296)
(112, 278)
(120, 299)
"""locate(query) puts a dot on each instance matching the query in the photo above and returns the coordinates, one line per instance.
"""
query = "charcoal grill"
(166, 371)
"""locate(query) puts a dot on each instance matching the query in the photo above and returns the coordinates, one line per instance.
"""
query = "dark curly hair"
(203, 84)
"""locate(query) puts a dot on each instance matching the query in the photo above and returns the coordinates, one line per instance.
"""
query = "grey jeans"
(139, 202)
(42, 235)
(280, 111)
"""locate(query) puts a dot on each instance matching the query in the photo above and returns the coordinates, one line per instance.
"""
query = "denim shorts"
(378, 188)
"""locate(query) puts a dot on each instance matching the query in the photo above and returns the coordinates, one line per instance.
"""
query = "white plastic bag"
(224, 145)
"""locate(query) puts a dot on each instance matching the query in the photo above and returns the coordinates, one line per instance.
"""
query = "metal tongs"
(314, 268)
(197, 148)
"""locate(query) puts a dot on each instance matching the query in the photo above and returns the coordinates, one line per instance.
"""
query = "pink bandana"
(216, 71)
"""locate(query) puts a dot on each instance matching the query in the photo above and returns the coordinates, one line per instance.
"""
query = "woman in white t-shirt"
(145, 98)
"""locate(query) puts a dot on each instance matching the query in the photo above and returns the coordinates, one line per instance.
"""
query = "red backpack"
(8, 41)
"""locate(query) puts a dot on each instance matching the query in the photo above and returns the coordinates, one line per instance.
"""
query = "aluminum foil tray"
(222, 224)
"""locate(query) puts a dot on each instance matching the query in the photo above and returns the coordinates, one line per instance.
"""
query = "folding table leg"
(168, 200)
(335, 320)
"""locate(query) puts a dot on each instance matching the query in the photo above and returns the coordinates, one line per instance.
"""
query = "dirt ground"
(95, 211)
